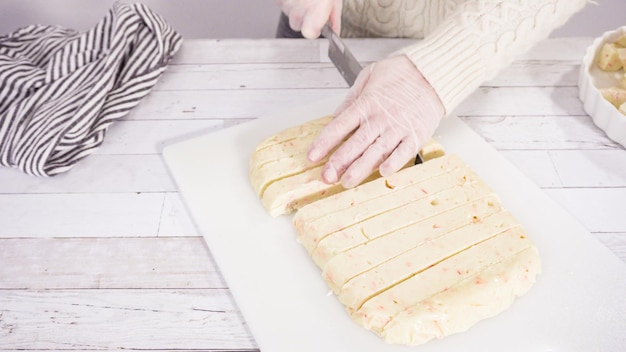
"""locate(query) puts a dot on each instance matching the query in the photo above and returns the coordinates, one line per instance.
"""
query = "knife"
(341, 57)
(346, 63)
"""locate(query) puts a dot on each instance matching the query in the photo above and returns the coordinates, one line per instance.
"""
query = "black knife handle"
(418, 159)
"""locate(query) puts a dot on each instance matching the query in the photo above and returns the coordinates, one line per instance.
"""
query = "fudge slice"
(422, 254)
(285, 180)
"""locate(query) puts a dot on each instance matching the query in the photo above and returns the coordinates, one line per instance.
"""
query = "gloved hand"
(393, 112)
(309, 16)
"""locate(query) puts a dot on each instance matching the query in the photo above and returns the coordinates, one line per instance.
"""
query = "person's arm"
(480, 38)
(400, 100)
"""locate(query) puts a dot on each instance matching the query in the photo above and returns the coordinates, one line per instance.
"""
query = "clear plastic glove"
(392, 111)
(309, 16)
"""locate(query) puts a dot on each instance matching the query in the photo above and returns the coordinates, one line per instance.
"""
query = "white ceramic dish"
(577, 304)
(591, 80)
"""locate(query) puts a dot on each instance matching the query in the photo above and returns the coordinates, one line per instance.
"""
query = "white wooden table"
(105, 257)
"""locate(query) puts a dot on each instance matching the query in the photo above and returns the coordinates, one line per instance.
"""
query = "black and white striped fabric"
(61, 89)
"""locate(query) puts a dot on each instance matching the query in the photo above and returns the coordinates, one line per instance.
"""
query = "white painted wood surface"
(105, 256)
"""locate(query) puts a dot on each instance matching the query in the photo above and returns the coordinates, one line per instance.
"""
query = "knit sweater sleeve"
(482, 36)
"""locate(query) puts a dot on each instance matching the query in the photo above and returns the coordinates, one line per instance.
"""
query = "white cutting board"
(578, 303)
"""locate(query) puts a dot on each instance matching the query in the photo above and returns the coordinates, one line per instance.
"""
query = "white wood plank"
(537, 74)
(150, 136)
(107, 263)
(540, 132)
(615, 241)
(245, 76)
(210, 51)
(298, 76)
(591, 168)
(203, 51)
(200, 51)
(373, 49)
(80, 215)
(219, 104)
(525, 101)
(242, 103)
(121, 319)
(537, 165)
(175, 219)
(96, 174)
(598, 209)
(558, 49)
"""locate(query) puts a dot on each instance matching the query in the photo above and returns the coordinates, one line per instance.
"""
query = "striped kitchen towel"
(61, 89)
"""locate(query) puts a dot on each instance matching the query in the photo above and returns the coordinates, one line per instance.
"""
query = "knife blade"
(346, 63)
(341, 56)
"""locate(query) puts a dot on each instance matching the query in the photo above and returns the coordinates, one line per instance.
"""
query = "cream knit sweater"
(464, 42)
